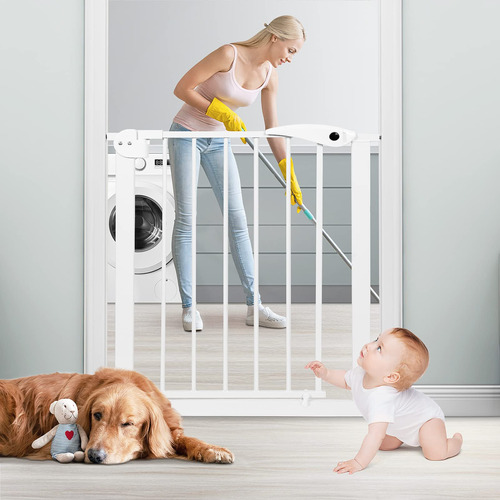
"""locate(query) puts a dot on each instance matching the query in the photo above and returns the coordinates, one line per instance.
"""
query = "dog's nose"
(96, 456)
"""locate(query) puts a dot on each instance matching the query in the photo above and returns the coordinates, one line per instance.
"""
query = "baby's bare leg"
(390, 443)
(435, 444)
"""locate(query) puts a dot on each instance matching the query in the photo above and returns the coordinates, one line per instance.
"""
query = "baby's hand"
(319, 369)
(350, 466)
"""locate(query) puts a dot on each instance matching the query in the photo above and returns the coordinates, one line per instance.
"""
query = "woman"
(230, 77)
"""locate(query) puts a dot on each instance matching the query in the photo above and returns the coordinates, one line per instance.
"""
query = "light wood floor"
(336, 340)
(283, 458)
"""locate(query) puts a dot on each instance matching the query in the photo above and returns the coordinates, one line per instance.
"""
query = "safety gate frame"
(132, 144)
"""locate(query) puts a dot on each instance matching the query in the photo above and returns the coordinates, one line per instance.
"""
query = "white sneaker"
(267, 318)
(187, 320)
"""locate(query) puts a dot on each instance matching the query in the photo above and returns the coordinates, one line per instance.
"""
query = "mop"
(308, 214)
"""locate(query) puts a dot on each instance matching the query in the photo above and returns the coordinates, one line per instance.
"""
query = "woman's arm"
(219, 60)
(270, 114)
(278, 144)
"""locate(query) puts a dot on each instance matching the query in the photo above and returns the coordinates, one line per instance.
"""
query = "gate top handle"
(327, 135)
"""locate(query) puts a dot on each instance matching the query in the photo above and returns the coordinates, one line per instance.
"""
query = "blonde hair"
(415, 359)
(284, 27)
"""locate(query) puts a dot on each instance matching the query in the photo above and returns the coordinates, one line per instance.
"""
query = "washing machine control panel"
(151, 165)
(159, 162)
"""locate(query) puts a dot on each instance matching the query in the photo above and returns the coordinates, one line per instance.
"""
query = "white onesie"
(406, 411)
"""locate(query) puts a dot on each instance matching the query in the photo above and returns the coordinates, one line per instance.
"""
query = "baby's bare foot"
(455, 445)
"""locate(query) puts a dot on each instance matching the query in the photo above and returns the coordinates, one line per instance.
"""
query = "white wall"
(451, 168)
(41, 188)
(333, 79)
(451, 183)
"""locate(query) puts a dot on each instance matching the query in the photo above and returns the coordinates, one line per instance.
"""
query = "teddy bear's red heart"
(69, 434)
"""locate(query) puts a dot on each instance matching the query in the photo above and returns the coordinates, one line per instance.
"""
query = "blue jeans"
(210, 154)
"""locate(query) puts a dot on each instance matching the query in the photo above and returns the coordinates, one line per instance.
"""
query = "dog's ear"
(171, 417)
(157, 437)
(85, 414)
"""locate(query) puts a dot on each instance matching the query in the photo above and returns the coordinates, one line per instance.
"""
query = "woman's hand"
(351, 466)
(296, 196)
(222, 113)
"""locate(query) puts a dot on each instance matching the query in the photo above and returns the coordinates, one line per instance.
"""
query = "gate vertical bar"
(288, 269)
(225, 288)
(256, 293)
(124, 307)
(360, 206)
(319, 257)
(163, 264)
(194, 306)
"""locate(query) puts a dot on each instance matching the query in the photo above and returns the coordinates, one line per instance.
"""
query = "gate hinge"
(128, 144)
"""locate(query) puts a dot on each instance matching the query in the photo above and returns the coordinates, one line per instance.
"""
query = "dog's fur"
(123, 413)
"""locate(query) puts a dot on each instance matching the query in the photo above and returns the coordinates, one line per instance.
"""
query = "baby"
(396, 413)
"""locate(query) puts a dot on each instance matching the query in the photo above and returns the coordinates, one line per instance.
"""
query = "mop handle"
(304, 209)
(307, 213)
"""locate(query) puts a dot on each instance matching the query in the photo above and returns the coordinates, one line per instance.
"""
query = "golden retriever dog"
(123, 413)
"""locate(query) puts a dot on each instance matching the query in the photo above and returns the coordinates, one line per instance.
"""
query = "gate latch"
(306, 398)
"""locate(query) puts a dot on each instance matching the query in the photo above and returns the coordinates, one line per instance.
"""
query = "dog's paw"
(215, 455)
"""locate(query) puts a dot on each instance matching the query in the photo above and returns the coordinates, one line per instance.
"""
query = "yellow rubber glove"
(220, 112)
(294, 185)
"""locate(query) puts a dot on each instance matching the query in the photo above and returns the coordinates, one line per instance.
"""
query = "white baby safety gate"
(133, 144)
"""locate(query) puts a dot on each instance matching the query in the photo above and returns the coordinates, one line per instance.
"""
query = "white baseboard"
(465, 400)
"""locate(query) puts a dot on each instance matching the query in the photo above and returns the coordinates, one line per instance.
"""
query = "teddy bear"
(69, 438)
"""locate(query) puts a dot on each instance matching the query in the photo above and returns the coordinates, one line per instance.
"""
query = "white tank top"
(224, 86)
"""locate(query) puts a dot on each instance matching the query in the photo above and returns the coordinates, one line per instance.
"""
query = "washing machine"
(148, 231)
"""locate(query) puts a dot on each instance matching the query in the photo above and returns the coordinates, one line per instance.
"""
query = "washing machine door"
(148, 226)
